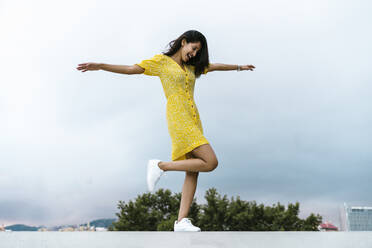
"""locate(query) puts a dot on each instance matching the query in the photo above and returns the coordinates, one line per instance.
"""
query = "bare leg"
(204, 160)
(188, 192)
(205, 156)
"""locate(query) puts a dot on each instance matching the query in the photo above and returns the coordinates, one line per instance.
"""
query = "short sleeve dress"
(184, 125)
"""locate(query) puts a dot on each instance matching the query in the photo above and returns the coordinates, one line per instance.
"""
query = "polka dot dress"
(184, 125)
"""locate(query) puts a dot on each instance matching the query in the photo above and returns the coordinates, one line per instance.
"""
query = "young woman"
(186, 59)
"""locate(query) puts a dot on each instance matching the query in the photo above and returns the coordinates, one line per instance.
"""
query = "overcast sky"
(73, 144)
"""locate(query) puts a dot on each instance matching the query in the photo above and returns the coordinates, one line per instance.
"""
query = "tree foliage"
(158, 211)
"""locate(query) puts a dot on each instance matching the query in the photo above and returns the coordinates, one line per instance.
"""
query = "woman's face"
(189, 50)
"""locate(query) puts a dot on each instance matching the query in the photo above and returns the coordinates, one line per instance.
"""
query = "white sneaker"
(153, 173)
(184, 225)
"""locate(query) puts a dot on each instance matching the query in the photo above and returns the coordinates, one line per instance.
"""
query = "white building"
(356, 218)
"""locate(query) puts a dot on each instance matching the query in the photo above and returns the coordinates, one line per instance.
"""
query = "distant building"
(67, 229)
(81, 228)
(356, 218)
(326, 226)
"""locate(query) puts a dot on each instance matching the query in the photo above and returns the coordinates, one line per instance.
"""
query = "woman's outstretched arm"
(123, 69)
(226, 67)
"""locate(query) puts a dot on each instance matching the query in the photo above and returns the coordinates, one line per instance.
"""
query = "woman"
(186, 59)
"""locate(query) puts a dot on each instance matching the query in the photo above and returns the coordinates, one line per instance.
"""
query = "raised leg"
(204, 160)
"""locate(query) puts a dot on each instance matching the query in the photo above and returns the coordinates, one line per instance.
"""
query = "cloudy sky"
(73, 144)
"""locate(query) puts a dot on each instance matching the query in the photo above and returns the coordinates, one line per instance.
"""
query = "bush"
(158, 211)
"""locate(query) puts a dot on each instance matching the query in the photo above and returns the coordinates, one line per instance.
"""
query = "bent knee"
(212, 165)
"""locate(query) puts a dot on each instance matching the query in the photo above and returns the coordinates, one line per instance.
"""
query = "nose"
(194, 54)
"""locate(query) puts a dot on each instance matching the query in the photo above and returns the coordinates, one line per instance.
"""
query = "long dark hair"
(201, 60)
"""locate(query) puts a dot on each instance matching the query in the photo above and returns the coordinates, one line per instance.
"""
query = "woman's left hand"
(247, 67)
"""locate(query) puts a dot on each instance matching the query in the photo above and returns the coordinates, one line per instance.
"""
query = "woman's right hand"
(89, 67)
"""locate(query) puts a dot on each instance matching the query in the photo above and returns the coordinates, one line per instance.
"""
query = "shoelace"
(187, 220)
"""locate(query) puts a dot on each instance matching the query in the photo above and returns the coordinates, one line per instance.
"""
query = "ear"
(183, 42)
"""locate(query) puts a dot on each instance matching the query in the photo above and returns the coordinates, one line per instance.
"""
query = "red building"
(326, 226)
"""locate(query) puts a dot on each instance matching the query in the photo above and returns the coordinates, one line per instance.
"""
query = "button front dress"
(184, 125)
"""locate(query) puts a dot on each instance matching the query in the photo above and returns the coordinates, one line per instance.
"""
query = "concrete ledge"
(183, 240)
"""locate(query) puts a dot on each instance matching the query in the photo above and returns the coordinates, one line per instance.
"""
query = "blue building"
(356, 218)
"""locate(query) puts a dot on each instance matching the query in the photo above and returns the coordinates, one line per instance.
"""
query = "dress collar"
(185, 71)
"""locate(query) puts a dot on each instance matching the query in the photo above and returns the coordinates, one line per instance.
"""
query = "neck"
(177, 57)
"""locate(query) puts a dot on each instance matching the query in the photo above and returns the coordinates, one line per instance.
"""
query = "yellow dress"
(184, 125)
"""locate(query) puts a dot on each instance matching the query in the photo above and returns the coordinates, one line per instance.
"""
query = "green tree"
(213, 215)
(158, 211)
(151, 212)
(220, 214)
